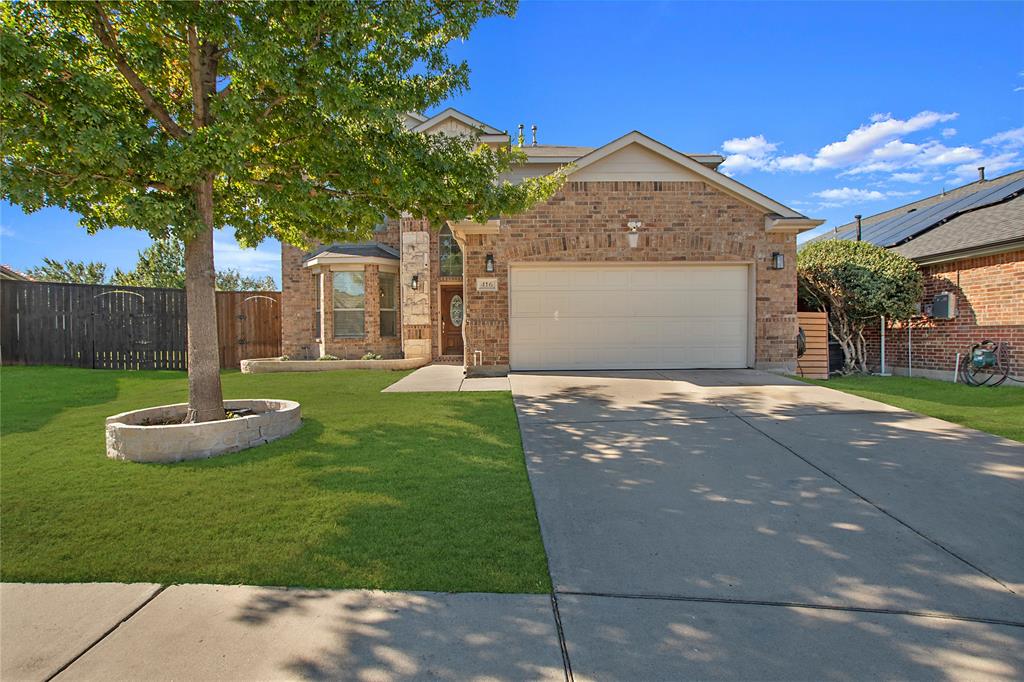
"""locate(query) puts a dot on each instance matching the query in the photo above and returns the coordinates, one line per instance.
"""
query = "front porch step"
(448, 360)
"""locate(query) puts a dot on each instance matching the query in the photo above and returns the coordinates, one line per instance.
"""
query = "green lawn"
(996, 410)
(392, 491)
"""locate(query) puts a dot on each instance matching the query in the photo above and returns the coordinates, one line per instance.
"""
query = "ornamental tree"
(856, 283)
(274, 119)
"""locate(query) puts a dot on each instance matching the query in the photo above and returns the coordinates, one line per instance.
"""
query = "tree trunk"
(205, 400)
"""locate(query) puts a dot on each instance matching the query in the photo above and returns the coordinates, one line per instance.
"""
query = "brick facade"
(583, 222)
(990, 305)
(586, 222)
(298, 310)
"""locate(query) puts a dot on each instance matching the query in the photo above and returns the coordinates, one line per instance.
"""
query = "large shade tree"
(274, 119)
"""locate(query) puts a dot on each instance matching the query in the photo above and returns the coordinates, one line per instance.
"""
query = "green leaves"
(69, 271)
(860, 280)
(303, 134)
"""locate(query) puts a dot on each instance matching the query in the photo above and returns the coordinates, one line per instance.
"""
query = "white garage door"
(628, 317)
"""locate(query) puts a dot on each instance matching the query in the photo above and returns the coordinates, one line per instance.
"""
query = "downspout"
(910, 351)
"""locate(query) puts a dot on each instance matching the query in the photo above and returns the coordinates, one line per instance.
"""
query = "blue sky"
(831, 108)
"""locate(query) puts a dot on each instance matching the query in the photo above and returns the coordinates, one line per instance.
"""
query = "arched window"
(449, 254)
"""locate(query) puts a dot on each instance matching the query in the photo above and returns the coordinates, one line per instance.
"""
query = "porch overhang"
(461, 228)
(779, 225)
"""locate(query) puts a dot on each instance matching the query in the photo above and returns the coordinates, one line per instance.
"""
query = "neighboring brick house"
(645, 258)
(969, 242)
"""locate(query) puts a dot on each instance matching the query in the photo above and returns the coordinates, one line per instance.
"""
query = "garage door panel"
(647, 317)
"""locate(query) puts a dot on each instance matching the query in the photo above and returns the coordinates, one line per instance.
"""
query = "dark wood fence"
(110, 327)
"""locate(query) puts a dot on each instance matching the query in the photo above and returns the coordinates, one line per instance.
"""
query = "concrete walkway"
(217, 632)
(743, 525)
(446, 379)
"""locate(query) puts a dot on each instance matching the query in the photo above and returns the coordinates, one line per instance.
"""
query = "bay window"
(349, 305)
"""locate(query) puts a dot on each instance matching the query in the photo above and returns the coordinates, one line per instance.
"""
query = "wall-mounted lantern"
(778, 261)
(489, 263)
(415, 283)
(634, 234)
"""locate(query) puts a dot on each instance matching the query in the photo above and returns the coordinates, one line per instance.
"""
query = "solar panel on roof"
(898, 229)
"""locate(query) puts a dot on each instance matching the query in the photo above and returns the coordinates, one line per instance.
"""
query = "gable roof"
(452, 112)
(952, 215)
(795, 220)
(353, 253)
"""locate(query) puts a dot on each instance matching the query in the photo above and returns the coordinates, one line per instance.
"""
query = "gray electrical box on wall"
(944, 305)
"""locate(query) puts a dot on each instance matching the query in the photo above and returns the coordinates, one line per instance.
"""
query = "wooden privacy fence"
(111, 327)
(813, 364)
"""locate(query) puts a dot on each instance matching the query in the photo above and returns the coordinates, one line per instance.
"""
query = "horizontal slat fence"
(813, 364)
(111, 327)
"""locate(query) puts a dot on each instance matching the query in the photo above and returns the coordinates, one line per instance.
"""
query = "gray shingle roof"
(987, 226)
(362, 249)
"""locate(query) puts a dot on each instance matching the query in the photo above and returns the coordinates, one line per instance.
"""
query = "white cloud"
(842, 196)
(873, 147)
(939, 155)
(1019, 88)
(860, 143)
(993, 165)
(6, 231)
(948, 132)
(263, 260)
(756, 146)
(1009, 139)
(908, 177)
(746, 153)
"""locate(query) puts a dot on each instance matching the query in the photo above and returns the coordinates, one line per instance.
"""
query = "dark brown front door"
(452, 314)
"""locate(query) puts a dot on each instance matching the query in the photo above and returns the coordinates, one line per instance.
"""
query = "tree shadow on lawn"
(36, 395)
(402, 504)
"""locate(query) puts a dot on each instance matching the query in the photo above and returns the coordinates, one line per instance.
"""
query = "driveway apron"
(690, 517)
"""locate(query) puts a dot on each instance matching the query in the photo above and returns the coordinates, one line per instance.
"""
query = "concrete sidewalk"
(112, 631)
(446, 379)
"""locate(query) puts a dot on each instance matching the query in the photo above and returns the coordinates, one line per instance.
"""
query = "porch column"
(415, 305)
(326, 309)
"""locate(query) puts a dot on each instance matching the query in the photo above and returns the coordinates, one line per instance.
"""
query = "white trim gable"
(451, 112)
(794, 220)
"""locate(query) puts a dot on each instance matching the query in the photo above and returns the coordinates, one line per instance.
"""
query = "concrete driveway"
(739, 524)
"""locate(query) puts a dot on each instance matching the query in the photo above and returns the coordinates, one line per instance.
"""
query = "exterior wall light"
(778, 261)
(489, 263)
(415, 283)
(634, 235)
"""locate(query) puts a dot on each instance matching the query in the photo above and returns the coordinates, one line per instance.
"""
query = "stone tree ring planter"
(143, 435)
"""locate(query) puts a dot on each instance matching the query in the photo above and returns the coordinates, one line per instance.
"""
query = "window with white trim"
(349, 305)
(388, 304)
(318, 297)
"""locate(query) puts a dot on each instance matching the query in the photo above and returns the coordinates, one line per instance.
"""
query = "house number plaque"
(487, 284)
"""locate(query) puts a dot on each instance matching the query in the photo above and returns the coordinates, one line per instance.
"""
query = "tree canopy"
(302, 127)
(856, 283)
(69, 271)
(276, 119)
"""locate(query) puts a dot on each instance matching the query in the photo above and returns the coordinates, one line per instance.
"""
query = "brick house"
(969, 242)
(646, 258)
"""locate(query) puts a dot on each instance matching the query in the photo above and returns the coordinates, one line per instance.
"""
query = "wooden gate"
(814, 362)
(248, 325)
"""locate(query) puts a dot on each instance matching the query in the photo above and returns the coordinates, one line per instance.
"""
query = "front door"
(452, 313)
